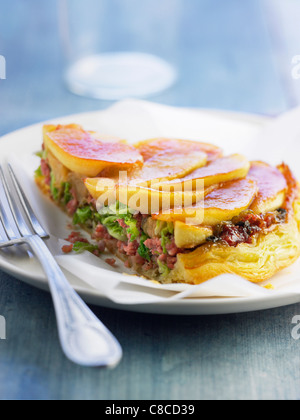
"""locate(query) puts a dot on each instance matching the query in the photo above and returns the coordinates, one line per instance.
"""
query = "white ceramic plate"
(28, 140)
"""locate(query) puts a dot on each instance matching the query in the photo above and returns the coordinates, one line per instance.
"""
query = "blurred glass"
(119, 48)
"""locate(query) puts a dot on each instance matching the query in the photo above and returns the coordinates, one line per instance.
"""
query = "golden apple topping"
(88, 153)
(170, 179)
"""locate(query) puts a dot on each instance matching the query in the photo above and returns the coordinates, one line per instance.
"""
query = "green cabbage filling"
(108, 217)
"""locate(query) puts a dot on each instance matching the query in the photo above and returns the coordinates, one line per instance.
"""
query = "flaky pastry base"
(269, 253)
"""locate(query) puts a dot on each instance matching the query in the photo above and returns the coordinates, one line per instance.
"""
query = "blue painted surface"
(231, 55)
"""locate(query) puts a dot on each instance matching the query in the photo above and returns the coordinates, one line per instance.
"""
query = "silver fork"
(84, 339)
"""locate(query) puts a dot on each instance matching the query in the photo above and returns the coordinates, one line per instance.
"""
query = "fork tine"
(3, 235)
(8, 223)
(14, 209)
(36, 226)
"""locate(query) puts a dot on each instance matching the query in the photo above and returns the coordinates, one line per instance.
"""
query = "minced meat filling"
(142, 240)
(242, 229)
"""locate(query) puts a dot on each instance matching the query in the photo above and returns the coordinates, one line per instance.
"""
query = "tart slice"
(173, 210)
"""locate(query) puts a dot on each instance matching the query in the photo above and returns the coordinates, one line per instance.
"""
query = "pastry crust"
(257, 262)
(247, 221)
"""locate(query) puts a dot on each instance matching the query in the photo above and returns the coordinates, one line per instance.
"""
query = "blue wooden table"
(231, 55)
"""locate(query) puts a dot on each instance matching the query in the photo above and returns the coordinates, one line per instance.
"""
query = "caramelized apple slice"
(59, 170)
(172, 160)
(148, 201)
(272, 187)
(85, 152)
(219, 171)
(163, 166)
(141, 199)
(166, 166)
(187, 236)
(149, 148)
(220, 205)
(167, 159)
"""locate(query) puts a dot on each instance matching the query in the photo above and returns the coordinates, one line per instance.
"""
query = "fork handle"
(84, 339)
